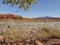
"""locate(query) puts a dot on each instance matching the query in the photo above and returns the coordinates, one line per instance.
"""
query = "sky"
(41, 8)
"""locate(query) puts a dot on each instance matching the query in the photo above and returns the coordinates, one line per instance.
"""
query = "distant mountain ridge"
(47, 17)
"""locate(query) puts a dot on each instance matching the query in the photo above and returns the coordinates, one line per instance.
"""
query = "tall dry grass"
(42, 34)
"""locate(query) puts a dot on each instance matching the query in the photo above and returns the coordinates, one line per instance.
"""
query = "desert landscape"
(17, 30)
(29, 22)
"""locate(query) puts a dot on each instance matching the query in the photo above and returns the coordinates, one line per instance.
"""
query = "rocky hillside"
(10, 16)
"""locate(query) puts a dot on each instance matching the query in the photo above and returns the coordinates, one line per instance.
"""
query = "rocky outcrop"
(10, 16)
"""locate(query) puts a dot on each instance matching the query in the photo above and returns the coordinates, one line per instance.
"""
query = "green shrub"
(17, 17)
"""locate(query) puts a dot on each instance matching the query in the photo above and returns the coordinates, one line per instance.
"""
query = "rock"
(38, 43)
(1, 38)
(19, 43)
(53, 42)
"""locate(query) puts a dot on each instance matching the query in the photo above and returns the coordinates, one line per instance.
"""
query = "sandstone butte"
(10, 16)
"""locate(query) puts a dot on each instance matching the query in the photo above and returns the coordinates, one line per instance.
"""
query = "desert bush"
(22, 34)
(17, 17)
(9, 26)
(45, 34)
(15, 35)
(9, 34)
(42, 34)
(54, 34)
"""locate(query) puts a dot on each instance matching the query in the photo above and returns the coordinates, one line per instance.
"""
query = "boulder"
(53, 42)
(38, 42)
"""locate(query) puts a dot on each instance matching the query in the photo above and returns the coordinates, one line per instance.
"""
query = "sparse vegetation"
(16, 35)
(17, 17)
(46, 34)
(43, 34)
(38, 34)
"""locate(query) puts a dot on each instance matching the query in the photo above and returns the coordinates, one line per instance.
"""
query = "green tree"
(21, 3)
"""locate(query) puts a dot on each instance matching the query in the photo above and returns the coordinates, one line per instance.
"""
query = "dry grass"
(16, 35)
(46, 34)
(43, 34)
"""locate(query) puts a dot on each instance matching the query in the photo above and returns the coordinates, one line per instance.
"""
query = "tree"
(21, 3)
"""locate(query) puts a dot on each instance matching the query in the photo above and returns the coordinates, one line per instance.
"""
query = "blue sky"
(40, 9)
